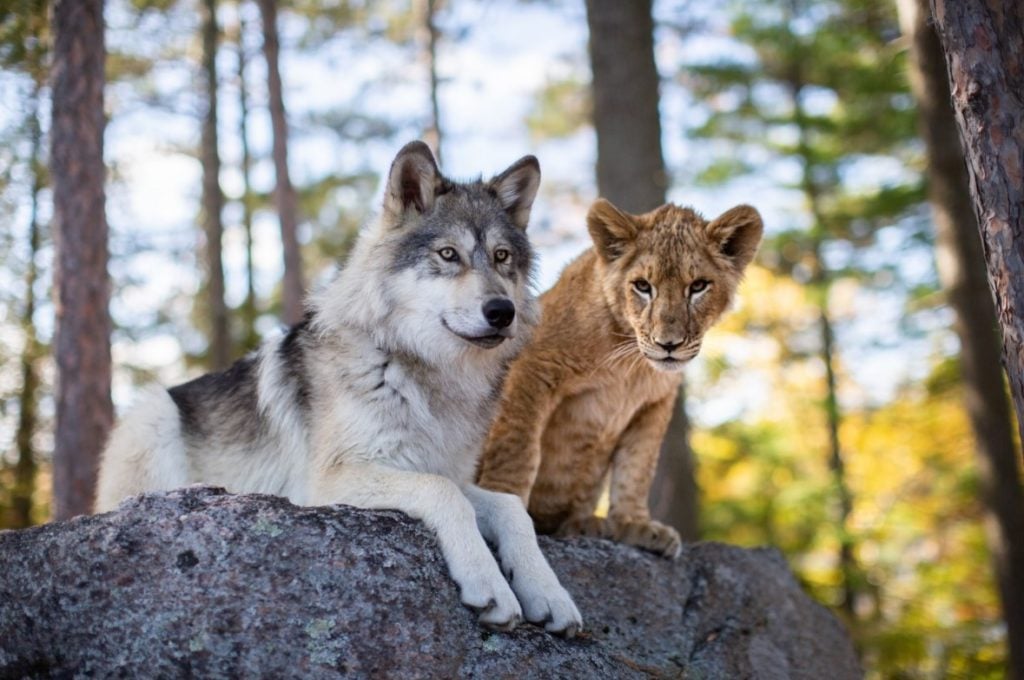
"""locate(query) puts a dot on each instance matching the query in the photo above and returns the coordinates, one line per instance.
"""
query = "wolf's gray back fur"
(382, 396)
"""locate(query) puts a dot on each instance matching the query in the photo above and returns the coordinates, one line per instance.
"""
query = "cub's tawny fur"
(591, 395)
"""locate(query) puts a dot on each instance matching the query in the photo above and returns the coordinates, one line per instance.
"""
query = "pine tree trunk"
(219, 356)
(25, 467)
(631, 174)
(250, 338)
(962, 270)
(432, 136)
(84, 408)
(821, 289)
(284, 192)
(630, 167)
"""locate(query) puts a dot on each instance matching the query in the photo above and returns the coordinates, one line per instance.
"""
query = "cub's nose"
(499, 312)
(667, 346)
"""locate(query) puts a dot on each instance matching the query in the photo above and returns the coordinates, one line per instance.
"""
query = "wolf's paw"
(549, 605)
(650, 535)
(492, 599)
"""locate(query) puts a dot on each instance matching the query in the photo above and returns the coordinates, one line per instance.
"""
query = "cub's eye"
(699, 285)
(448, 254)
(501, 255)
(642, 287)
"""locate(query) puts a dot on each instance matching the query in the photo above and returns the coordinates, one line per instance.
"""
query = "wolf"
(382, 397)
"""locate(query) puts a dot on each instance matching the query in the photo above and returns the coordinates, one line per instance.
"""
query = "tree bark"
(630, 166)
(961, 265)
(675, 496)
(84, 408)
(25, 467)
(284, 192)
(219, 355)
(984, 47)
(432, 136)
(250, 338)
(631, 174)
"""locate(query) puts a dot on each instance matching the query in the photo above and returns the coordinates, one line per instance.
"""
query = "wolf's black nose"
(499, 312)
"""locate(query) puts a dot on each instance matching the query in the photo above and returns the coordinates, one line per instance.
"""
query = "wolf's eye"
(448, 254)
(642, 287)
(501, 255)
(699, 285)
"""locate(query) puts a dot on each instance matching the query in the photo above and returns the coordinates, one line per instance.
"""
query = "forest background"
(826, 416)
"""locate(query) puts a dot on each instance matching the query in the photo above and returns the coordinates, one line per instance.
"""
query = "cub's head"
(670, 274)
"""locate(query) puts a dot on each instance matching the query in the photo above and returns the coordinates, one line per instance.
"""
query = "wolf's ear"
(737, 232)
(516, 188)
(412, 180)
(610, 229)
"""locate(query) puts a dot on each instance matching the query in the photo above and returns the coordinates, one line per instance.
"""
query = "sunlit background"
(514, 78)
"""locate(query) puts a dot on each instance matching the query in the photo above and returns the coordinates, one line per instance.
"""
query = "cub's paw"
(549, 605)
(492, 598)
(650, 535)
(594, 527)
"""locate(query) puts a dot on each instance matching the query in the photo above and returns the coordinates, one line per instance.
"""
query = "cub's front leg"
(442, 506)
(633, 464)
(512, 454)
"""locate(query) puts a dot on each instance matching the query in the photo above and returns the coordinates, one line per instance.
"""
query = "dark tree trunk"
(284, 192)
(25, 467)
(675, 496)
(962, 270)
(433, 133)
(631, 174)
(219, 355)
(84, 408)
(630, 167)
(250, 338)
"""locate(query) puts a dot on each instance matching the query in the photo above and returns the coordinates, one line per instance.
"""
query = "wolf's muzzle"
(499, 312)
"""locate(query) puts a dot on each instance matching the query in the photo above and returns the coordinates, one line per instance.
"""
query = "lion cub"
(592, 394)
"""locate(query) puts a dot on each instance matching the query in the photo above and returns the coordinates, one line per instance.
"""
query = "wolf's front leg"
(439, 503)
(504, 521)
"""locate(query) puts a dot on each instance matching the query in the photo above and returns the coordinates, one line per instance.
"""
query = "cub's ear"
(412, 181)
(610, 229)
(516, 188)
(737, 232)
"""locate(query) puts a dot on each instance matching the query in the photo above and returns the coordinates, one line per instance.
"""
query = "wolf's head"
(449, 262)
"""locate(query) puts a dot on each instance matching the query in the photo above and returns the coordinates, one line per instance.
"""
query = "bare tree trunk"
(984, 44)
(284, 192)
(250, 338)
(84, 408)
(675, 496)
(432, 136)
(630, 167)
(962, 270)
(219, 355)
(631, 174)
(25, 467)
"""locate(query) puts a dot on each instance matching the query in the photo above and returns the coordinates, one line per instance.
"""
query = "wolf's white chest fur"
(386, 407)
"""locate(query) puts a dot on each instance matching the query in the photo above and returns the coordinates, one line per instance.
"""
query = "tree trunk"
(630, 167)
(250, 338)
(432, 136)
(984, 46)
(284, 192)
(84, 408)
(675, 496)
(219, 355)
(25, 467)
(961, 266)
(631, 174)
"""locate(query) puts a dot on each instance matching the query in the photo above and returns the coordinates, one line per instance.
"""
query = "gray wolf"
(383, 396)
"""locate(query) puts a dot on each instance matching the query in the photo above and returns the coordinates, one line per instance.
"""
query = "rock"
(201, 583)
